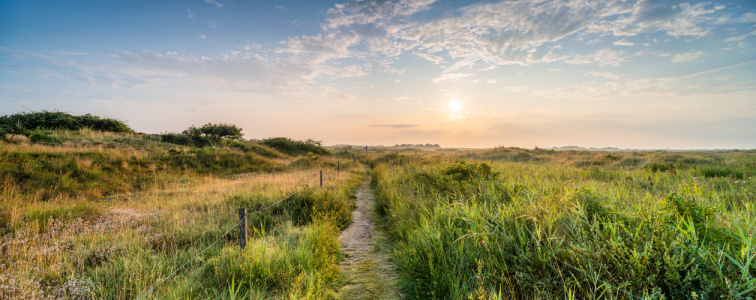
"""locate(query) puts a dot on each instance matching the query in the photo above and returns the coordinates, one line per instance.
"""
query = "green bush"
(293, 147)
(60, 121)
(725, 171)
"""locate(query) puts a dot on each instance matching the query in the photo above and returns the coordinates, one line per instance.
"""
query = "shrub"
(725, 171)
(16, 138)
(659, 167)
(293, 147)
(632, 161)
(60, 121)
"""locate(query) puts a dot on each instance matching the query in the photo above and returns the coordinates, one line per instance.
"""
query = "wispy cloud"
(280, 7)
(624, 42)
(740, 37)
(604, 57)
(688, 56)
(603, 74)
(395, 125)
(450, 76)
(214, 2)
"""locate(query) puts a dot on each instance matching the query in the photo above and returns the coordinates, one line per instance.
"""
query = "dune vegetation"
(88, 214)
(93, 214)
(511, 223)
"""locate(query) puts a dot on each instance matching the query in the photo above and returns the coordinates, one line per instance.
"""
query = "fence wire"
(213, 244)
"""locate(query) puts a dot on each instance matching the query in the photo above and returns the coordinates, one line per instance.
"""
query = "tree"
(212, 133)
(221, 131)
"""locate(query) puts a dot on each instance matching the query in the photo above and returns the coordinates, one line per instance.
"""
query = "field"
(102, 215)
(511, 223)
(109, 215)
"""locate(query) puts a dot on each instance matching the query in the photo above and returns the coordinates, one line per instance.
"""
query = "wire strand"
(213, 244)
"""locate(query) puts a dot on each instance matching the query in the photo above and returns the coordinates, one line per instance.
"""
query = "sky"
(634, 74)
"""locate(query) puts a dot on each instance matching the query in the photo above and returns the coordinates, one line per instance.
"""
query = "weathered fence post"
(242, 227)
(338, 166)
(321, 178)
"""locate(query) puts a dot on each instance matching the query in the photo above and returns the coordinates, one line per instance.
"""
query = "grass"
(511, 223)
(109, 216)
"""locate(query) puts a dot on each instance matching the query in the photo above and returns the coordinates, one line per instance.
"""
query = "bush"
(725, 171)
(659, 167)
(59, 121)
(293, 147)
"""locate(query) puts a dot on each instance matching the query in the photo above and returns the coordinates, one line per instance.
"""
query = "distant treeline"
(418, 145)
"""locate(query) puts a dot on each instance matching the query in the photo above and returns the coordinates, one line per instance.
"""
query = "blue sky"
(629, 74)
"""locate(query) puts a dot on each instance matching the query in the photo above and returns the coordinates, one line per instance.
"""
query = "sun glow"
(454, 106)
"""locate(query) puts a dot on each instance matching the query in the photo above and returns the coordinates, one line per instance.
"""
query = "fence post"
(338, 166)
(321, 178)
(242, 227)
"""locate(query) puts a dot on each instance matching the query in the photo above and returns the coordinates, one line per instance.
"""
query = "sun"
(454, 106)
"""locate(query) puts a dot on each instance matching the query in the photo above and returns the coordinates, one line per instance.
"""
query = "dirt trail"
(369, 273)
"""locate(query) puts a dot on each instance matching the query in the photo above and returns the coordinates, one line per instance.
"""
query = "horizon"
(625, 74)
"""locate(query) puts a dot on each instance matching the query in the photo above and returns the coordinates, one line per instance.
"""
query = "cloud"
(70, 53)
(660, 86)
(688, 56)
(450, 76)
(202, 36)
(603, 74)
(500, 33)
(190, 16)
(429, 57)
(280, 7)
(332, 45)
(213, 24)
(604, 57)
(462, 63)
(740, 37)
(649, 15)
(748, 17)
(395, 125)
(491, 81)
(214, 2)
(516, 89)
(252, 46)
(382, 13)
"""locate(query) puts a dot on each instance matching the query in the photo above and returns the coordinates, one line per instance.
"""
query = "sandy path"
(369, 273)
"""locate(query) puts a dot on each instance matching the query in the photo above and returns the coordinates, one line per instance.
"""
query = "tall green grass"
(549, 228)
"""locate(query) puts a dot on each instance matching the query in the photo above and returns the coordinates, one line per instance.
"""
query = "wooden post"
(338, 166)
(242, 227)
(321, 178)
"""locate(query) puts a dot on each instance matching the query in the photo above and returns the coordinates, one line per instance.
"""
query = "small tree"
(212, 133)
(221, 131)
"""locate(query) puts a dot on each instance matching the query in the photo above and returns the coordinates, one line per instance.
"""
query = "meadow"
(510, 223)
(89, 214)
(109, 215)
